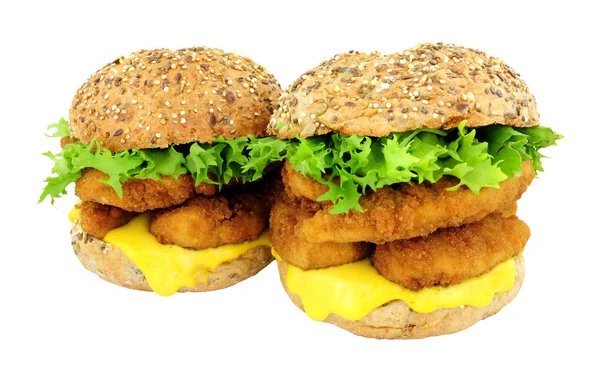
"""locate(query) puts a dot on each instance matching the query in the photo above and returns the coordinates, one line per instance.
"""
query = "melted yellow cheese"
(75, 213)
(355, 289)
(167, 268)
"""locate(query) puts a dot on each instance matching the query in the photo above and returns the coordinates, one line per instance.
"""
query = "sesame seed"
(388, 105)
(434, 115)
(405, 116)
(182, 120)
(336, 89)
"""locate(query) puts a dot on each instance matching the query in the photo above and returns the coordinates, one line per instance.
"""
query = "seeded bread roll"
(395, 320)
(430, 86)
(110, 264)
(155, 98)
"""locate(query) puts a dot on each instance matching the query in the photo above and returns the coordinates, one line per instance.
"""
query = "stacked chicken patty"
(401, 181)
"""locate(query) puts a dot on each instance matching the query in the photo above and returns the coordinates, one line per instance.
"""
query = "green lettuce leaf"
(477, 157)
(243, 159)
(348, 165)
(162, 162)
(62, 129)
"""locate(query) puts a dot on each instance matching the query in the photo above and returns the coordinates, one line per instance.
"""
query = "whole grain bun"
(155, 98)
(110, 264)
(395, 320)
(430, 86)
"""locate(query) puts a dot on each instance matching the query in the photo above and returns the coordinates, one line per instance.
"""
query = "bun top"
(430, 86)
(155, 98)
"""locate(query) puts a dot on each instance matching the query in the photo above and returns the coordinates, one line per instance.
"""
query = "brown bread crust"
(429, 86)
(395, 320)
(110, 264)
(155, 98)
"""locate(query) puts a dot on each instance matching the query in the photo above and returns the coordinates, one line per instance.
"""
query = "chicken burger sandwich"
(167, 150)
(401, 181)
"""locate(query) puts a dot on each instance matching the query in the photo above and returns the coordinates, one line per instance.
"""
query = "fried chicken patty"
(285, 215)
(204, 222)
(453, 255)
(412, 210)
(298, 185)
(140, 195)
(98, 219)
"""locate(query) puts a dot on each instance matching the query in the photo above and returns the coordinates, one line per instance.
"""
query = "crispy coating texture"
(298, 185)
(138, 195)
(98, 219)
(285, 215)
(67, 140)
(450, 256)
(204, 222)
(206, 189)
(412, 211)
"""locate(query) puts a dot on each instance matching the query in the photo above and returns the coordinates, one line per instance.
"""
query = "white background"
(59, 321)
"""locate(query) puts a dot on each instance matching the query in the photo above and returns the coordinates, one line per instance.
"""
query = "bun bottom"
(110, 264)
(395, 320)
